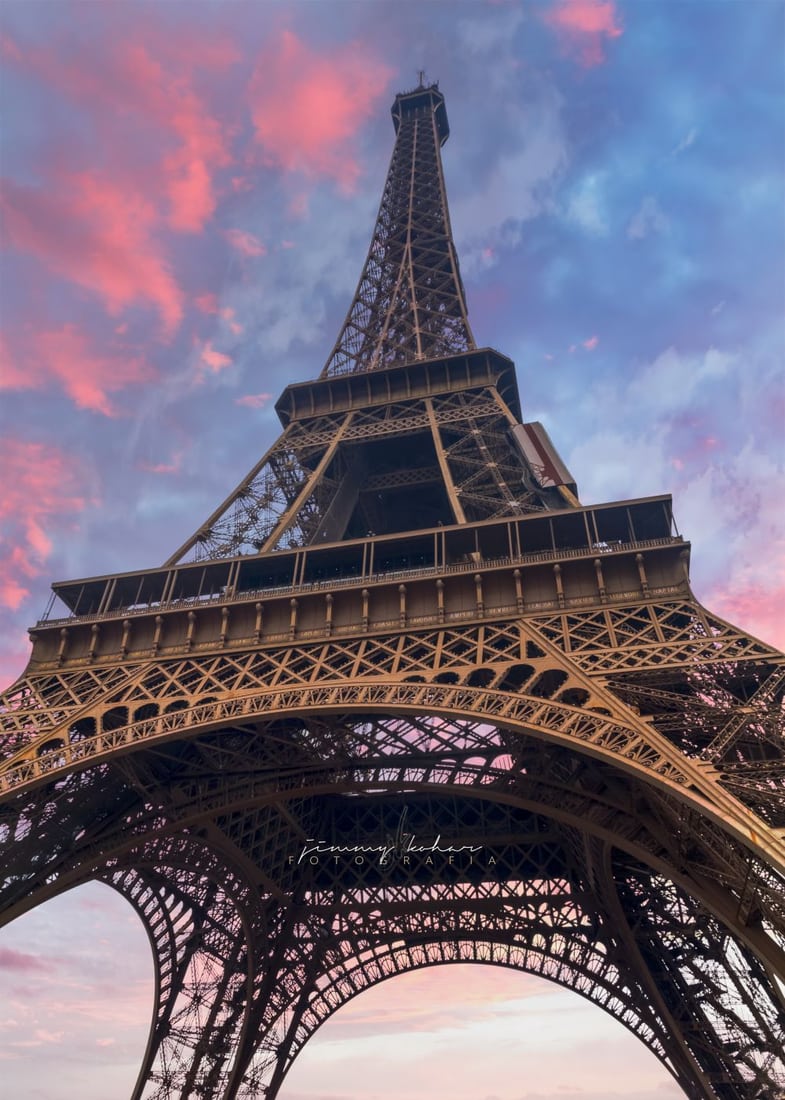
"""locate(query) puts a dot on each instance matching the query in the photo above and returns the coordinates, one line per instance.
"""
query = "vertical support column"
(600, 580)
(328, 614)
(559, 584)
(642, 573)
(402, 604)
(294, 605)
(518, 590)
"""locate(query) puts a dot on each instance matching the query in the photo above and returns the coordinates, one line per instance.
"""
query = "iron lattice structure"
(403, 631)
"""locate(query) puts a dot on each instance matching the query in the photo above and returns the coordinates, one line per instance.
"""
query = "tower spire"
(410, 303)
(434, 437)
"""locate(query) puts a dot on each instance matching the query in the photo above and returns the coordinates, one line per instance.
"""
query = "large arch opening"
(76, 980)
(77, 990)
(463, 1031)
(555, 818)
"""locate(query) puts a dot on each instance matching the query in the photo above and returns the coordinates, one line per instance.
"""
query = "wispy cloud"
(663, 429)
(748, 600)
(254, 400)
(21, 961)
(103, 227)
(245, 243)
(586, 205)
(39, 492)
(69, 358)
(685, 143)
(515, 186)
(97, 233)
(307, 107)
(172, 467)
(148, 79)
(648, 218)
(215, 361)
(584, 26)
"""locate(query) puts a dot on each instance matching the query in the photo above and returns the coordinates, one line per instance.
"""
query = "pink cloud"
(160, 147)
(39, 489)
(228, 315)
(253, 400)
(172, 467)
(190, 192)
(168, 100)
(67, 358)
(9, 49)
(150, 81)
(215, 360)
(307, 108)
(583, 25)
(298, 205)
(12, 593)
(591, 343)
(207, 302)
(11, 959)
(753, 606)
(95, 232)
(245, 243)
(15, 648)
(423, 1001)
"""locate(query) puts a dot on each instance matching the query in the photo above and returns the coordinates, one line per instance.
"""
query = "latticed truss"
(402, 701)
(328, 477)
(410, 303)
(195, 785)
(340, 465)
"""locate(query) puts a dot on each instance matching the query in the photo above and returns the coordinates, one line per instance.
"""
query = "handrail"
(537, 557)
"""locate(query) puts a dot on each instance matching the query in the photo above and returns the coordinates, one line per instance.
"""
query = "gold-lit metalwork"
(404, 614)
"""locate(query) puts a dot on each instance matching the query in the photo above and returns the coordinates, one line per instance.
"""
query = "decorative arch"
(239, 767)
(633, 744)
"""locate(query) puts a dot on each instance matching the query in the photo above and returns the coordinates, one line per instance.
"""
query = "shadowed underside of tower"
(402, 700)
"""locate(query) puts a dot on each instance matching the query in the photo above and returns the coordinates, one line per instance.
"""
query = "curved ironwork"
(402, 700)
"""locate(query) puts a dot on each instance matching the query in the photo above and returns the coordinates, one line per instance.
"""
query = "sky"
(188, 195)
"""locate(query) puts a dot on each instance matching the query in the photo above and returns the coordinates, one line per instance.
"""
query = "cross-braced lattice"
(403, 701)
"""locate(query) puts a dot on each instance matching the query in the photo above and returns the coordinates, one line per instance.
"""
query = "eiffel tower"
(402, 700)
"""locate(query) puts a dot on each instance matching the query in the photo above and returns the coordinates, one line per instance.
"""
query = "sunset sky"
(188, 195)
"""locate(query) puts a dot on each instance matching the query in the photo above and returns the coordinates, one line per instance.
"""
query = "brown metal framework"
(398, 634)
